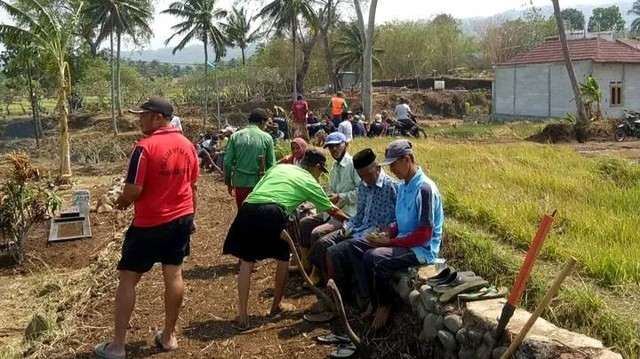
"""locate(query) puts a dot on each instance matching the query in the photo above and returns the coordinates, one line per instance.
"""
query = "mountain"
(192, 54)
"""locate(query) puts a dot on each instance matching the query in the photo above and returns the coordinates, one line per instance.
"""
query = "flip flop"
(284, 308)
(451, 278)
(450, 294)
(333, 339)
(158, 342)
(439, 277)
(343, 351)
(101, 351)
(459, 280)
(319, 317)
(484, 293)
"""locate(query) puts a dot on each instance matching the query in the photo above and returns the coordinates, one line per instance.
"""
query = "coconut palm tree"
(635, 24)
(350, 49)
(51, 32)
(119, 17)
(200, 21)
(238, 30)
(286, 15)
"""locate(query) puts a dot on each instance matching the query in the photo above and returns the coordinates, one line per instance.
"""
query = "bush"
(25, 201)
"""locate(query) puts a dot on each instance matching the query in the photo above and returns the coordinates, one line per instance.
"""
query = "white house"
(536, 84)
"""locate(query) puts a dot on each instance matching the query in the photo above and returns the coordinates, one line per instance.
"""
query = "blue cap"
(395, 150)
(335, 138)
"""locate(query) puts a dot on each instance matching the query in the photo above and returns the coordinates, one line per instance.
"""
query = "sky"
(387, 10)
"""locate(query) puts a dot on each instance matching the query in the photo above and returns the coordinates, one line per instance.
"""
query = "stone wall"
(464, 330)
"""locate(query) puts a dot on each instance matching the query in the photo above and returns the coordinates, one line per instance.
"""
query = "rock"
(402, 286)
(453, 322)
(105, 208)
(484, 352)
(489, 340)
(430, 326)
(475, 337)
(462, 337)
(428, 298)
(448, 340)
(422, 313)
(467, 354)
(414, 298)
(445, 309)
(497, 352)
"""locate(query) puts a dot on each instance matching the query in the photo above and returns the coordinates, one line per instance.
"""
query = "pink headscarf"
(302, 144)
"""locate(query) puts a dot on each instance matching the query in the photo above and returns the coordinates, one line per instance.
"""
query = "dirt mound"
(602, 130)
(555, 133)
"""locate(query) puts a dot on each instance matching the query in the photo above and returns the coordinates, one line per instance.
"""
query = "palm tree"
(284, 15)
(51, 35)
(198, 24)
(635, 24)
(122, 17)
(350, 49)
(238, 30)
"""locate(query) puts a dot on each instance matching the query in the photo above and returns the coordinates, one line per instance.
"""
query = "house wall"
(629, 75)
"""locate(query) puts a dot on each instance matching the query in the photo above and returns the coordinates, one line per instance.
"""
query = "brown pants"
(314, 227)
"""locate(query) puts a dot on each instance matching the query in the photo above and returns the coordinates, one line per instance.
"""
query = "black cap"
(155, 104)
(315, 156)
(258, 115)
(363, 158)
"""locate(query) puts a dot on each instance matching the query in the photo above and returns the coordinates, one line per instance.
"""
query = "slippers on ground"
(343, 351)
(158, 342)
(319, 317)
(451, 294)
(484, 293)
(333, 339)
(101, 351)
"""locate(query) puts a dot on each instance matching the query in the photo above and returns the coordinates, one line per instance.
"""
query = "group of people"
(367, 225)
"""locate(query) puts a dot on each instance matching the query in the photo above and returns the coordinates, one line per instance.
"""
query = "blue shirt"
(375, 206)
(419, 203)
(358, 129)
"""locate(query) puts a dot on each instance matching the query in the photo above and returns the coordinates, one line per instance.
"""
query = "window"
(616, 93)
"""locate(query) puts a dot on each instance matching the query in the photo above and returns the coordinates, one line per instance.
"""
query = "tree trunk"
(295, 59)
(306, 61)
(113, 99)
(34, 105)
(367, 68)
(582, 121)
(328, 56)
(119, 93)
(243, 59)
(63, 120)
(206, 85)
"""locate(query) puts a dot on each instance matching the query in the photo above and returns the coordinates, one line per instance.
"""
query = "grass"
(495, 131)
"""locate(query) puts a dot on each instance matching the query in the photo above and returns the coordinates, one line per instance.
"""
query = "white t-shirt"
(346, 129)
(175, 122)
(402, 111)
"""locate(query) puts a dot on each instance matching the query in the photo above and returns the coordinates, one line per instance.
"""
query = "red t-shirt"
(300, 109)
(165, 165)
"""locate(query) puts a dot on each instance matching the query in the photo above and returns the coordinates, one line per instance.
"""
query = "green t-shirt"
(241, 164)
(289, 186)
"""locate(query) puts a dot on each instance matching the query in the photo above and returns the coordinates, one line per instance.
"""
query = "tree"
(349, 45)
(573, 18)
(49, 32)
(122, 17)
(582, 121)
(606, 19)
(367, 31)
(285, 15)
(635, 24)
(198, 17)
(238, 30)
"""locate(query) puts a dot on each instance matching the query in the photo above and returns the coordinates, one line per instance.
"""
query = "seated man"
(375, 209)
(413, 241)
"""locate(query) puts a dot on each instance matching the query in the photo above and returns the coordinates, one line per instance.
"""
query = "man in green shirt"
(242, 159)
(255, 232)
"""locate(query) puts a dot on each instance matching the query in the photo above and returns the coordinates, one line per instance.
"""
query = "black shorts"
(167, 243)
(255, 233)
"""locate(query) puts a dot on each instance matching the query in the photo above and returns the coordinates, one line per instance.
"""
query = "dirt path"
(205, 326)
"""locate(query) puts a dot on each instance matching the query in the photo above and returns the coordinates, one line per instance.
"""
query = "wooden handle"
(544, 303)
(337, 298)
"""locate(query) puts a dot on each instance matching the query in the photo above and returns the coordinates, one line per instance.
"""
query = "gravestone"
(73, 222)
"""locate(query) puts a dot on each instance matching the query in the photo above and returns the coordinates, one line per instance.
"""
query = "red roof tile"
(595, 49)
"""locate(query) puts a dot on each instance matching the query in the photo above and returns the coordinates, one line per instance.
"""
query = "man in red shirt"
(300, 108)
(161, 184)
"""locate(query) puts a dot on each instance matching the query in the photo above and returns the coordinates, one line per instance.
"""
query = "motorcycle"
(399, 128)
(630, 126)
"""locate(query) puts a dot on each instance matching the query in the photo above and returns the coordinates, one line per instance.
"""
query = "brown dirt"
(599, 131)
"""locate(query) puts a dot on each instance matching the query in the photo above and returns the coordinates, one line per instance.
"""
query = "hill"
(192, 54)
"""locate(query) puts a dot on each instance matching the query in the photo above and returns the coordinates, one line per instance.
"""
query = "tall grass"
(505, 188)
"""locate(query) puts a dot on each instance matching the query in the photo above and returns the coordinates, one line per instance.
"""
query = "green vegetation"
(495, 131)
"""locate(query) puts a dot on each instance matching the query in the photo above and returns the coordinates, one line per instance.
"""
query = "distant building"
(536, 84)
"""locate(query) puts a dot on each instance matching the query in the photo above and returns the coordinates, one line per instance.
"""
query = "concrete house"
(536, 84)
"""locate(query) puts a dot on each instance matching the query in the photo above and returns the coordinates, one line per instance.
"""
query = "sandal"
(484, 293)
(333, 339)
(450, 294)
(158, 342)
(101, 351)
(343, 351)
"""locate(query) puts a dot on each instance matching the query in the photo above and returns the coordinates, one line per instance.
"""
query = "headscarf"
(302, 144)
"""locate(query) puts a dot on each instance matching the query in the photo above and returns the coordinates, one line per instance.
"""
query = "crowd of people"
(366, 225)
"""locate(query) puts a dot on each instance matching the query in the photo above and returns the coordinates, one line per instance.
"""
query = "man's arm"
(229, 159)
(134, 180)
(130, 194)
(425, 222)
(330, 108)
(345, 107)
(351, 197)
(270, 157)
(337, 213)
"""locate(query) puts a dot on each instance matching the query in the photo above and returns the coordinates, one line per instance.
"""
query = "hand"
(335, 198)
(230, 190)
(378, 239)
(122, 204)
(193, 227)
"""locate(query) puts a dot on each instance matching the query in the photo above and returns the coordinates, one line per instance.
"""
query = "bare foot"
(367, 313)
(381, 317)
(281, 308)
(168, 342)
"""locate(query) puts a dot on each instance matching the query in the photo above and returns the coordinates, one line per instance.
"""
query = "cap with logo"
(396, 150)
(315, 156)
(335, 138)
(155, 104)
